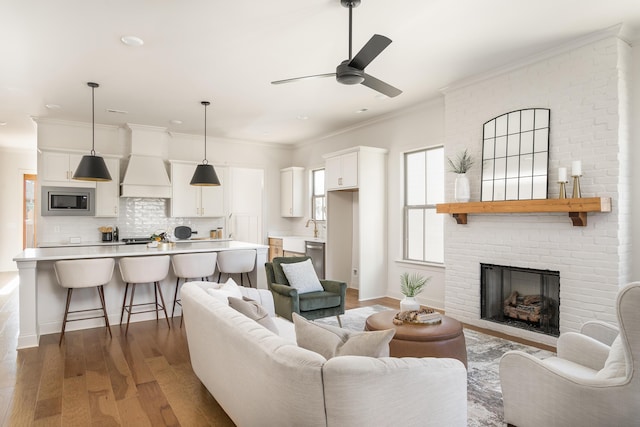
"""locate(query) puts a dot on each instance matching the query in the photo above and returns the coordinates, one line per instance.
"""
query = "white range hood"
(146, 176)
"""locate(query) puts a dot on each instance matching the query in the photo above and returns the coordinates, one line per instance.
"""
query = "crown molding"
(46, 120)
(619, 31)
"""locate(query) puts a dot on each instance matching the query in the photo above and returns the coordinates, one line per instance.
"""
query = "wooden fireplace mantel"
(576, 208)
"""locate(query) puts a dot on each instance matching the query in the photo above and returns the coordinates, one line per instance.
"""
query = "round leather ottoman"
(413, 340)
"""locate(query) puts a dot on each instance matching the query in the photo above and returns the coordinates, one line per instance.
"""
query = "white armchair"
(591, 382)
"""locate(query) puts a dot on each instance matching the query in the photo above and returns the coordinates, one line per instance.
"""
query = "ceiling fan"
(351, 71)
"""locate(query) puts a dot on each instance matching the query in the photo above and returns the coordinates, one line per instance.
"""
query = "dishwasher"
(315, 250)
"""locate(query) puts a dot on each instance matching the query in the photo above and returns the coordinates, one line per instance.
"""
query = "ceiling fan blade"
(295, 79)
(380, 86)
(369, 51)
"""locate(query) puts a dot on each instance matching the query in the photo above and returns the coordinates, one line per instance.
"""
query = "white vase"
(409, 303)
(462, 193)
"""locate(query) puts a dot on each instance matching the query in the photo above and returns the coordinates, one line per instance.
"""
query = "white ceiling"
(227, 52)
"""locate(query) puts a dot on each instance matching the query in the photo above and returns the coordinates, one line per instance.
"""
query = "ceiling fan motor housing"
(349, 75)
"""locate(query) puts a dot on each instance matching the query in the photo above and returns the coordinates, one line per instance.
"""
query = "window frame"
(315, 196)
(424, 208)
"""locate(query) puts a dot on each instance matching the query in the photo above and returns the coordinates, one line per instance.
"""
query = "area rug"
(483, 356)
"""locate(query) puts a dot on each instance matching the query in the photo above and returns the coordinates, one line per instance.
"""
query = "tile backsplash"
(139, 217)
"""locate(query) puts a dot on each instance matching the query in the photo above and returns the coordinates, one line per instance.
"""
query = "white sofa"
(262, 379)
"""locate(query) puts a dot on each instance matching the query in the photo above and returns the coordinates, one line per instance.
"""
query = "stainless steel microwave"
(68, 201)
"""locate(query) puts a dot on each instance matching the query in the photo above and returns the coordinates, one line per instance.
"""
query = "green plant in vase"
(411, 285)
(462, 163)
(461, 166)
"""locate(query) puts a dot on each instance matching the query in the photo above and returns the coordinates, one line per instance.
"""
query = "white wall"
(586, 90)
(420, 126)
(635, 158)
(13, 165)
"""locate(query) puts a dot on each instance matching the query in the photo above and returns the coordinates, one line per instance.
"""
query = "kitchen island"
(42, 300)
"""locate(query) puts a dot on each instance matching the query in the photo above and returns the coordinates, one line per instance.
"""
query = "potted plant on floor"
(411, 285)
(461, 166)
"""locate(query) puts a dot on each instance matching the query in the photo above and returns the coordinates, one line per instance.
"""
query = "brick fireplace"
(521, 297)
(585, 87)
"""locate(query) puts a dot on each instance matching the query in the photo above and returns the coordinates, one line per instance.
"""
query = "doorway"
(29, 182)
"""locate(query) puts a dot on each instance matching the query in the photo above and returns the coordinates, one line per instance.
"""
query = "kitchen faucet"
(315, 227)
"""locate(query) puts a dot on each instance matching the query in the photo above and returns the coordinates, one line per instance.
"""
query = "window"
(318, 200)
(424, 187)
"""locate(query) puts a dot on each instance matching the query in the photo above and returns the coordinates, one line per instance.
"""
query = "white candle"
(562, 174)
(576, 168)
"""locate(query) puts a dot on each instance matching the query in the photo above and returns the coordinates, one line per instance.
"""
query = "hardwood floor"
(143, 379)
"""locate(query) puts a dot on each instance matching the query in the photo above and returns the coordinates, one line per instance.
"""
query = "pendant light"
(92, 167)
(205, 174)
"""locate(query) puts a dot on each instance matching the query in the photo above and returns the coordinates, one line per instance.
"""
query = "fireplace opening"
(521, 297)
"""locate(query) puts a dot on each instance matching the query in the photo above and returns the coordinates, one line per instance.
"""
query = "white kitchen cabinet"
(356, 245)
(292, 192)
(108, 193)
(57, 169)
(195, 201)
(341, 171)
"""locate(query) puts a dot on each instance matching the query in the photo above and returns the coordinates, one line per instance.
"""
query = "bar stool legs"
(129, 308)
(241, 280)
(103, 306)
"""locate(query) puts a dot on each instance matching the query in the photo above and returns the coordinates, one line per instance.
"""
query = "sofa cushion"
(222, 291)
(302, 276)
(319, 300)
(615, 365)
(253, 310)
(330, 341)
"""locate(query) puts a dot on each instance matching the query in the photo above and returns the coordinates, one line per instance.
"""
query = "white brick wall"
(586, 90)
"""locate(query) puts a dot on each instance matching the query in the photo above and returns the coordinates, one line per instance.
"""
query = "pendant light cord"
(93, 122)
(205, 103)
(93, 87)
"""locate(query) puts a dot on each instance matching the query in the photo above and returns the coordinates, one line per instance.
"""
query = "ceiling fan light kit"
(205, 174)
(92, 167)
(351, 71)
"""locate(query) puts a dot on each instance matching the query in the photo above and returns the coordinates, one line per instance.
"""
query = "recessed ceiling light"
(362, 110)
(132, 41)
(3, 123)
(176, 122)
(111, 110)
(303, 117)
(53, 106)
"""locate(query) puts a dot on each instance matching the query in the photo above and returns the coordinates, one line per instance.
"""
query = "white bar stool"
(143, 269)
(192, 266)
(236, 262)
(84, 273)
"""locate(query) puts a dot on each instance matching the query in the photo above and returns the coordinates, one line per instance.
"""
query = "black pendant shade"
(205, 174)
(92, 167)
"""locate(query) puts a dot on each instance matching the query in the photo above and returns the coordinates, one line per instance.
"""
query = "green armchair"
(312, 305)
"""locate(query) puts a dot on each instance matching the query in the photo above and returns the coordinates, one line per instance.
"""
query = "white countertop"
(305, 238)
(117, 251)
(100, 243)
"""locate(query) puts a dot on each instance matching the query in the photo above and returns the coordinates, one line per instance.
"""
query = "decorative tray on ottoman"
(417, 317)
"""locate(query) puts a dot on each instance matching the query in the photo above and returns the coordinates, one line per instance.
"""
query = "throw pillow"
(302, 276)
(615, 365)
(254, 311)
(330, 341)
(222, 291)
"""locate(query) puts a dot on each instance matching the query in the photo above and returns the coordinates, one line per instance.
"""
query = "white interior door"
(246, 188)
